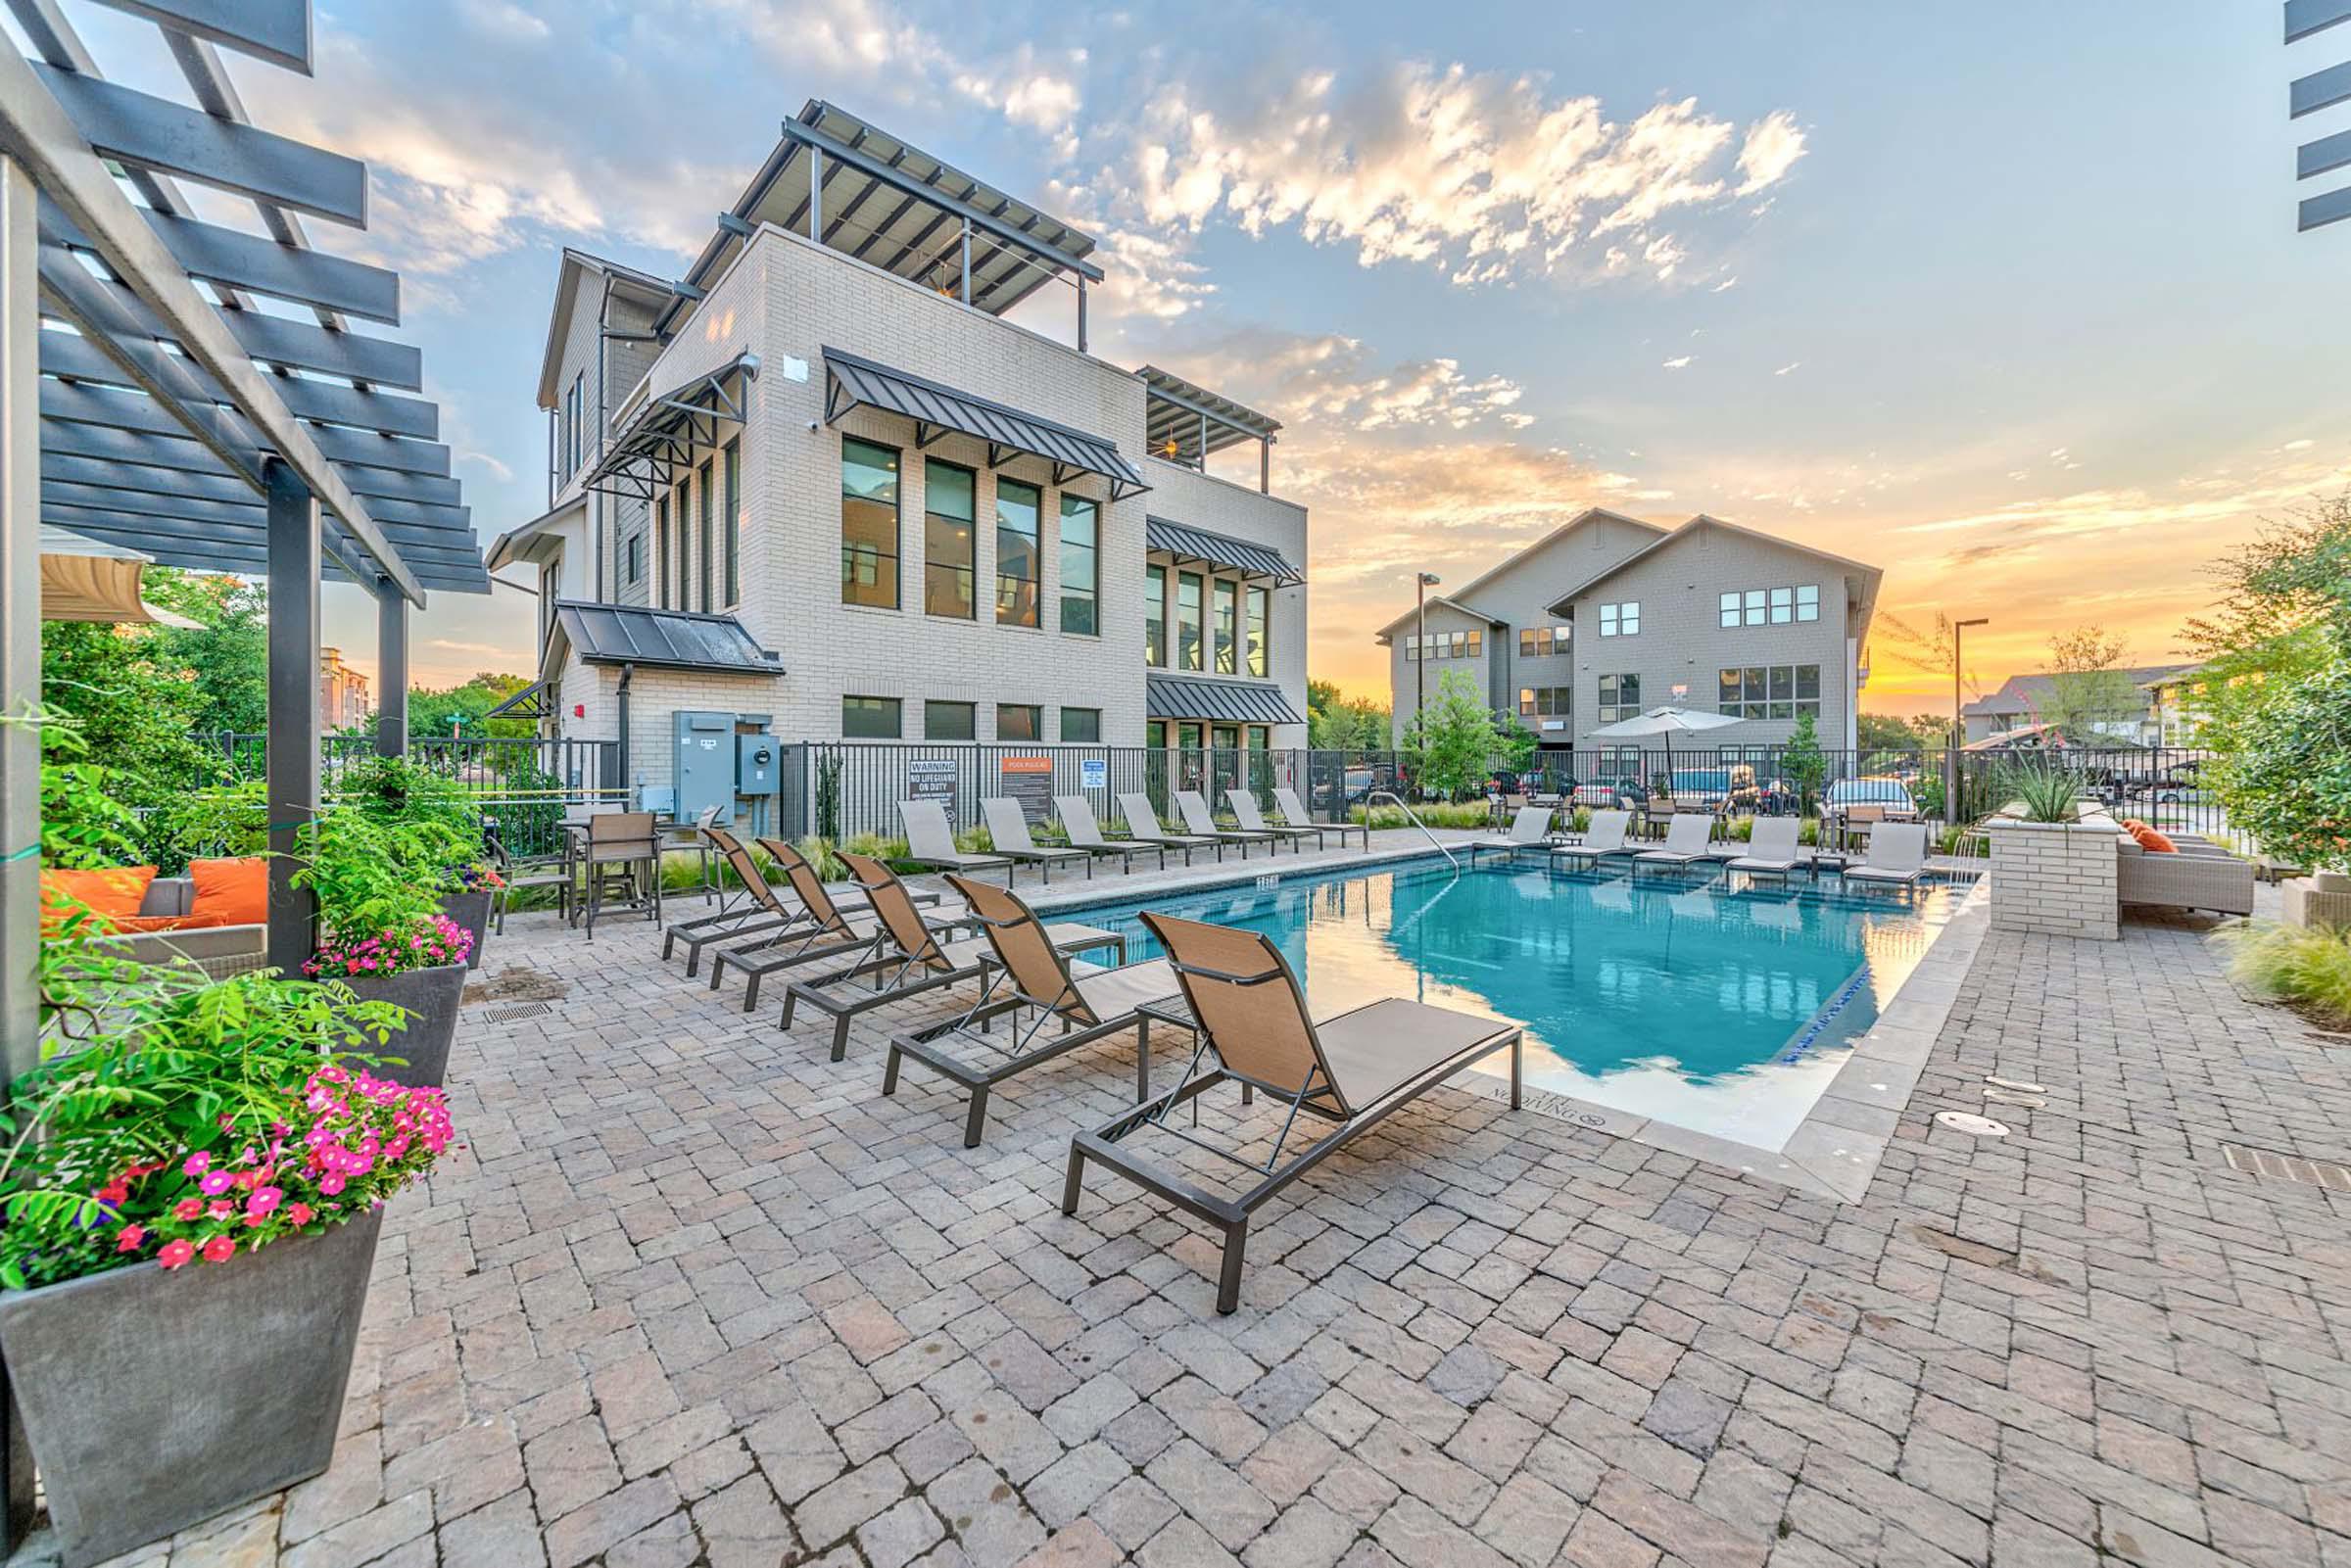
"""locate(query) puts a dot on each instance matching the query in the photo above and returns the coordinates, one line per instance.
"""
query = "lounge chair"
(1143, 827)
(1897, 857)
(1089, 1003)
(828, 932)
(760, 913)
(1771, 848)
(1078, 823)
(1252, 820)
(1009, 828)
(1294, 814)
(1201, 823)
(1352, 1070)
(913, 957)
(1686, 840)
(1529, 829)
(1602, 838)
(930, 840)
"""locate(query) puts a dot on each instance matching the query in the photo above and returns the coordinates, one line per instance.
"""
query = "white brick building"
(926, 521)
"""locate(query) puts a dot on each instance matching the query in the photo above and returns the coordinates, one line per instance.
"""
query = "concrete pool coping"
(1833, 1151)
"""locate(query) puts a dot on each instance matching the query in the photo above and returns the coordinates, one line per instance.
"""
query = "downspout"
(628, 673)
(596, 498)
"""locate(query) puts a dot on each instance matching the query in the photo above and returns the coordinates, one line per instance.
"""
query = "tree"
(131, 714)
(1801, 762)
(1889, 732)
(1335, 723)
(1449, 743)
(1515, 742)
(463, 710)
(2089, 691)
(227, 653)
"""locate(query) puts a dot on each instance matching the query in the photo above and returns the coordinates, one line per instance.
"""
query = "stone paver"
(694, 1294)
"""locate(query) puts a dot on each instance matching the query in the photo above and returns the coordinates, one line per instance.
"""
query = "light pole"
(1421, 586)
(1950, 788)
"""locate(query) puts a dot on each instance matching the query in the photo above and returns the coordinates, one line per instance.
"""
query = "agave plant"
(2045, 789)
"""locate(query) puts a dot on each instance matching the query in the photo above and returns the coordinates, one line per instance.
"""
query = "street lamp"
(1421, 586)
(1950, 788)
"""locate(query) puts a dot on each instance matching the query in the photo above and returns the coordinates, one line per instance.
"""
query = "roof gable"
(578, 273)
(1468, 590)
(1690, 530)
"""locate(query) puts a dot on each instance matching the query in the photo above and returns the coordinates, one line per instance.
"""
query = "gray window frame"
(896, 707)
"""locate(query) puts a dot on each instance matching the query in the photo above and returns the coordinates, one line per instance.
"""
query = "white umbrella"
(1666, 722)
(84, 580)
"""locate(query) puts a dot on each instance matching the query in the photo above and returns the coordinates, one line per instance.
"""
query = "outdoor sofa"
(2197, 875)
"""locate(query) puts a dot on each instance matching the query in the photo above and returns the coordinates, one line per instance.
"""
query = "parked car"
(1623, 792)
(1891, 795)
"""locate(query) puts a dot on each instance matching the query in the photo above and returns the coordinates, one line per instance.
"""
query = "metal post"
(1081, 315)
(816, 194)
(293, 704)
(1264, 467)
(1204, 444)
(390, 672)
(1419, 646)
(19, 692)
(967, 261)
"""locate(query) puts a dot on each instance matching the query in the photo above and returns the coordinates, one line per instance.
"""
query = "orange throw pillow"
(129, 924)
(112, 893)
(2155, 843)
(2134, 827)
(235, 892)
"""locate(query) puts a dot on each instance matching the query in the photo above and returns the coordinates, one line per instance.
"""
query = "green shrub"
(2308, 967)
(1434, 813)
(2046, 789)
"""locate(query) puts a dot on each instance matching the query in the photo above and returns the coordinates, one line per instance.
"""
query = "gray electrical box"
(756, 770)
(704, 753)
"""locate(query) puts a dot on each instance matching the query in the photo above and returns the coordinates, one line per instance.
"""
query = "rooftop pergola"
(2319, 89)
(195, 392)
(1187, 423)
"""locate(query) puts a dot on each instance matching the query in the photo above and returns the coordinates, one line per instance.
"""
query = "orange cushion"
(2134, 827)
(234, 891)
(112, 893)
(2155, 843)
(126, 925)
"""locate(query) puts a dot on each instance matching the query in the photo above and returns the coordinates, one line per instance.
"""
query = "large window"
(661, 551)
(1545, 702)
(1537, 641)
(1080, 725)
(948, 540)
(732, 581)
(869, 524)
(1081, 572)
(1620, 698)
(1188, 648)
(1770, 606)
(1445, 646)
(1020, 721)
(869, 718)
(1621, 619)
(949, 721)
(1259, 619)
(1018, 560)
(1769, 690)
(1155, 615)
(1228, 627)
(704, 519)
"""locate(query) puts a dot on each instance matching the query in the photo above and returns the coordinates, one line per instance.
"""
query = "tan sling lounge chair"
(828, 932)
(1294, 814)
(1350, 1071)
(1009, 830)
(1087, 1002)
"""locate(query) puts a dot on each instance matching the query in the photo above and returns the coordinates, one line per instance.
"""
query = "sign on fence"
(1028, 780)
(1094, 773)
(932, 778)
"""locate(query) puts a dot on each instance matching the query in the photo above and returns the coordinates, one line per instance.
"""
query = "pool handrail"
(1413, 816)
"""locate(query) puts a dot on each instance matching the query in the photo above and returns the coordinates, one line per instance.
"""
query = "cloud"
(449, 646)
(503, 472)
(1679, 363)
(1789, 368)
(1773, 145)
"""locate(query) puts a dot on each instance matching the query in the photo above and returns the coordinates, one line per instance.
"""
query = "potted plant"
(189, 1205)
(441, 833)
(381, 930)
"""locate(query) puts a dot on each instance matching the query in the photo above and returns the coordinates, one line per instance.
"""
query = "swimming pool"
(1713, 1002)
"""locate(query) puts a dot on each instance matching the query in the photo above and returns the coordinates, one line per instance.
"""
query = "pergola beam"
(275, 30)
(69, 353)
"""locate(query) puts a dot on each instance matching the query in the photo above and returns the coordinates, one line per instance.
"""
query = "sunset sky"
(2005, 298)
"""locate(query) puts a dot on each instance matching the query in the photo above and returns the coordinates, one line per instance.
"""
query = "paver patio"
(696, 1294)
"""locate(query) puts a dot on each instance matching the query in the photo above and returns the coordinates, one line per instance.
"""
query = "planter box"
(2055, 877)
(154, 1399)
(431, 998)
(2321, 900)
(471, 910)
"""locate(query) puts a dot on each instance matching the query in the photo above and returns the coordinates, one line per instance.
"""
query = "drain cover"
(516, 1014)
(1969, 1122)
(2287, 1167)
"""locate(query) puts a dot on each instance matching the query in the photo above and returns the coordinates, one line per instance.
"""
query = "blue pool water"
(1713, 1002)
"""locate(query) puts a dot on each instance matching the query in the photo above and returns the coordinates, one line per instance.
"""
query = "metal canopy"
(1187, 543)
(1180, 697)
(642, 460)
(673, 639)
(1185, 421)
(165, 389)
(853, 382)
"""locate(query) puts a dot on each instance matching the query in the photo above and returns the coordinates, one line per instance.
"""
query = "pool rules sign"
(1028, 780)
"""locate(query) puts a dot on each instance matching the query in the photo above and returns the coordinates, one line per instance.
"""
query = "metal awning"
(853, 382)
(1178, 696)
(671, 640)
(1185, 422)
(1187, 543)
(642, 460)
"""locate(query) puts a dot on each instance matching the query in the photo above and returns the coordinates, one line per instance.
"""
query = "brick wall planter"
(2055, 877)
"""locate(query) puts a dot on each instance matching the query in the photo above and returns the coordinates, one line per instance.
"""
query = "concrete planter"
(471, 910)
(431, 998)
(2055, 877)
(154, 1399)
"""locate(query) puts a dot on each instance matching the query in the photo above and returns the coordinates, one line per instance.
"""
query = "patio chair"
(1143, 827)
(827, 932)
(930, 840)
(1087, 1002)
(1009, 827)
(760, 913)
(1897, 857)
(1602, 837)
(1294, 814)
(1530, 827)
(623, 856)
(915, 956)
(1352, 1071)
(1201, 823)
(528, 875)
(1686, 840)
(1771, 850)
(1078, 823)
(1252, 819)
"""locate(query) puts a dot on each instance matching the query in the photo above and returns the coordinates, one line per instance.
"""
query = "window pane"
(1782, 682)
(948, 721)
(661, 551)
(1228, 627)
(1020, 721)
(1728, 695)
(1188, 650)
(1628, 619)
(1783, 605)
(683, 512)
(869, 718)
(1155, 733)
(1019, 566)
(1155, 615)
(1527, 645)
(1188, 736)
(949, 540)
(1080, 725)
(1754, 606)
(733, 528)
(1526, 701)
(869, 526)
(1474, 645)
(1808, 682)
(1608, 620)
(1808, 603)
(1079, 580)
(1259, 618)
(1730, 609)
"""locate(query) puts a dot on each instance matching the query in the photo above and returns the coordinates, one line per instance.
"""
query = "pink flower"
(262, 1201)
(195, 1163)
(215, 1183)
(220, 1248)
(175, 1252)
(220, 1208)
(132, 1237)
(331, 1183)
(188, 1207)
(113, 1191)
(298, 1215)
